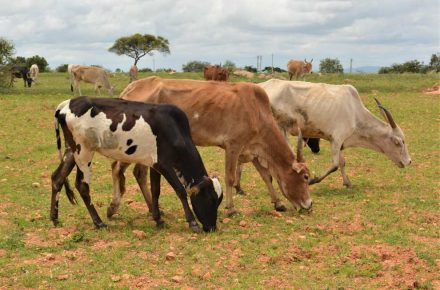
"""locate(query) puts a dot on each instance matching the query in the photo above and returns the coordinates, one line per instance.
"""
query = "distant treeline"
(414, 66)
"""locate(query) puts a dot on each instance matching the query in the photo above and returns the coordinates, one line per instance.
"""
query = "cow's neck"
(274, 153)
(369, 133)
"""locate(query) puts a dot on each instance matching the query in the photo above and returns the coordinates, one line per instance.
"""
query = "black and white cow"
(156, 136)
(21, 71)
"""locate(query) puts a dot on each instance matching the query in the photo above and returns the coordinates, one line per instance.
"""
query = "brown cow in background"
(133, 73)
(215, 73)
(299, 68)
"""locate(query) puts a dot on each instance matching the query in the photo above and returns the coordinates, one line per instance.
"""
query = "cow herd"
(157, 123)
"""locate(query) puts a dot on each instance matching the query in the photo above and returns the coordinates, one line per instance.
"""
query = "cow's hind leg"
(118, 177)
(83, 161)
(267, 178)
(237, 185)
(231, 164)
(59, 177)
(140, 172)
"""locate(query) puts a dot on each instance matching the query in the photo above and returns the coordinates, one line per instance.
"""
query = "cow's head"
(307, 68)
(393, 143)
(206, 197)
(29, 81)
(295, 182)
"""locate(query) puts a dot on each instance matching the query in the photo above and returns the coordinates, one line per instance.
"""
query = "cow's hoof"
(280, 207)
(240, 191)
(231, 212)
(56, 222)
(194, 227)
(110, 211)
(100, 225)
(348, 184)
(160, 224)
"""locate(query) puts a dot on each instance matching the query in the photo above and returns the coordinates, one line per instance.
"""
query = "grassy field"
(382, 233)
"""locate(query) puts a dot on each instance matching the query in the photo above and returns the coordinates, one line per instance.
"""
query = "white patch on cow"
(94, 134)
(196, 115)
(180, 176)
(217, 186)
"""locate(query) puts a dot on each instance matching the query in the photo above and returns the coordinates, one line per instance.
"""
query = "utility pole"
(351, 64)
(259, 61)
(154, 65)
(272, 63)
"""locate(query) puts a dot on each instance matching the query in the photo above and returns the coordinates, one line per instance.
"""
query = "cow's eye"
(306, 176)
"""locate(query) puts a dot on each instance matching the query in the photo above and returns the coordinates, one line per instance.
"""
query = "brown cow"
(299, 68)
(133, 73)
(93, 75)
(236, 117)
(215, 73)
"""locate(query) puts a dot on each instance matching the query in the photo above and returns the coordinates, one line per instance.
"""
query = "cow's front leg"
(173, 180)
(336, 150)
(267, 178)
(237, 185)
(231, 162)
(345, 178)
(155, 193)
(118, 178)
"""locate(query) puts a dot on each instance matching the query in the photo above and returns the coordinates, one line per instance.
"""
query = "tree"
(7, 50)
(194, 66)
(229, 65)
(18, 60)
(62, 68)
(330, 65)
(250, 68)
(434, 64)
(38, 60)
(137, 46)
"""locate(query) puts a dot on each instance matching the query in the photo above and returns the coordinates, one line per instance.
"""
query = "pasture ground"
(383, 233)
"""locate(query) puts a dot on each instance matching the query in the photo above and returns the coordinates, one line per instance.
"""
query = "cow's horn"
(299, 147)
(386, 114)
(311, 60)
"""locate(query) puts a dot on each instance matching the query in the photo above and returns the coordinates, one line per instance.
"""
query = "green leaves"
(137, 45)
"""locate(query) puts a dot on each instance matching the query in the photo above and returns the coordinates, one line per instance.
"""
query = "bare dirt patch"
(434, 90)
(102, 244)
(400, 267)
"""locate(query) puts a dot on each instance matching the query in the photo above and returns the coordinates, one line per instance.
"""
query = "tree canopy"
(330, 65)
(194, 66)
(7, 50)
(137, 46)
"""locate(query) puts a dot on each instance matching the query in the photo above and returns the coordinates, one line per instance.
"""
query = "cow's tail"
(69, 192)
(71, 87)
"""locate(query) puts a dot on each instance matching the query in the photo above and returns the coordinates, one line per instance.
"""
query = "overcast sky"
(372, 32)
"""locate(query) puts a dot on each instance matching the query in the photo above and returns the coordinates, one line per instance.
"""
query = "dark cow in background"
(156, 136)
(22, 72)
(215, 73)
(299, 68)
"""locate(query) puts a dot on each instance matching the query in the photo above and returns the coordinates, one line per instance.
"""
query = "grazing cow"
(244, 73)
(34, 71)
(236, 117)
(153, 135)
(133, 73)
(69, 71)
(20, 71)
(93, 75)
(215, 73)
(337, 114)
(299, 68)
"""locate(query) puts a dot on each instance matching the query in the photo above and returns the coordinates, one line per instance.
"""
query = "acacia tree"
(330, 65)
(7, 50)
(137, 46)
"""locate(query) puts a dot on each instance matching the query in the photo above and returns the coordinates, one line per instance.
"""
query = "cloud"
(371, 32)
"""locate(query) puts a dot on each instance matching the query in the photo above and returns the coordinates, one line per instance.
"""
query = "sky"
(371, 32)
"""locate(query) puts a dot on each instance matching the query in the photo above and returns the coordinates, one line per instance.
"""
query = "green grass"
(384, 232)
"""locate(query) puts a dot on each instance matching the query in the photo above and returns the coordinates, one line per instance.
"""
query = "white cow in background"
(34, 71)
(93, 75)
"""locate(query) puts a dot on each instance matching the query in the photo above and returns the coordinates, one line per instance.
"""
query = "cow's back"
(313, 104)
(218, 113)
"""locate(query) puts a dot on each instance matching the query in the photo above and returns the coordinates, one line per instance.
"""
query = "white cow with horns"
(337, 114)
